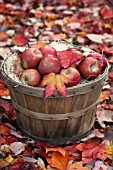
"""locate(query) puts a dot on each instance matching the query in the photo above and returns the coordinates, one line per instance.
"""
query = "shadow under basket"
(55, 120)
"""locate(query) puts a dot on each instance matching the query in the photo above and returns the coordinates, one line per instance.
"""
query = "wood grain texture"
(56, 118)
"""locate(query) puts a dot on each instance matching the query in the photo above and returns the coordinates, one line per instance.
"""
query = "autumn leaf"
(52, 82)
(58, 160)
(9, 158)
(20, 40)
(4, 130)
(17, 147)
(77, 166)
(3, 36)
(2, 140)
(38, 45)
(106, 12)
(104, 95)
(91, 151)
(58, 149)
(60, 85)
(65, 58)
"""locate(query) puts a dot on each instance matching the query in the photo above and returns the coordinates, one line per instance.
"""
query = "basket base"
(55, 141)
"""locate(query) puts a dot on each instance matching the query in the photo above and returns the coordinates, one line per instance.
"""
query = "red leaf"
(65, 58)
(2, 140)
(20, 40)
(50, 82)
(106, 12)
(4, 130)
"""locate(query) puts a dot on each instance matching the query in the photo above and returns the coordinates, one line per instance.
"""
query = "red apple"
(77, 56)
(30, 77)
(90, 68)
(49, 65)
(31, 57)
(48, 51)
(71, 75)
(100, 58)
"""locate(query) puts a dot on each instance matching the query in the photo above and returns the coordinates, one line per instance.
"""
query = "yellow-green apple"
(49, 65)
(31, 57)
(48, 51)
(71, 75)
(30, 77)
(100, 58)
(89, 68)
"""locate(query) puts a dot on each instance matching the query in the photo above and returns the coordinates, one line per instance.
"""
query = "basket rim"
(79, 85)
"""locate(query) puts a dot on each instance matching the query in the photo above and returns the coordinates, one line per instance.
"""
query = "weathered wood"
(56, 119)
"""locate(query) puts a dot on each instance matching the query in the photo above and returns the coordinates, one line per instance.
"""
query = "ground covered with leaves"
(81, 22)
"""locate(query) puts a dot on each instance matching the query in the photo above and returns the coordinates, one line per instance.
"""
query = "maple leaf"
(20, 40)
(58, 160)
(52, 82)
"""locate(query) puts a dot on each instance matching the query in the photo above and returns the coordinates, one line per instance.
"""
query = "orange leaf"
(58, 160)
(104, 95)
(77, 166)
(60, 85)
(2, 140)
(4, 92)
(4, 130)
(100, 152)
(20, 40)
(38, 45)
(58, 149)
(3, 36)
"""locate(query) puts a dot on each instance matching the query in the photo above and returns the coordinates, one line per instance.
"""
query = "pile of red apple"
(71, 64)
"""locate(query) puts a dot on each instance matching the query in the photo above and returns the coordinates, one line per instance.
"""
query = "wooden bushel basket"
(55, 120)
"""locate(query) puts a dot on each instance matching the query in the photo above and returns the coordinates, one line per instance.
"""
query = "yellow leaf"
(9, 158)
(6, 149)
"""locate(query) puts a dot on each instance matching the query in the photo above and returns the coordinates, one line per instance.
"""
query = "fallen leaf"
(77, 166)
(104, 95)
(19, 39)
(4, 130)
(58, 149)
(58, 160)
(9, 158)
(106, 12)
(17, 147)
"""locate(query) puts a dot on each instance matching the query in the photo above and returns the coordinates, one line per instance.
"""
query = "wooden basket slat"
(56, 119)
